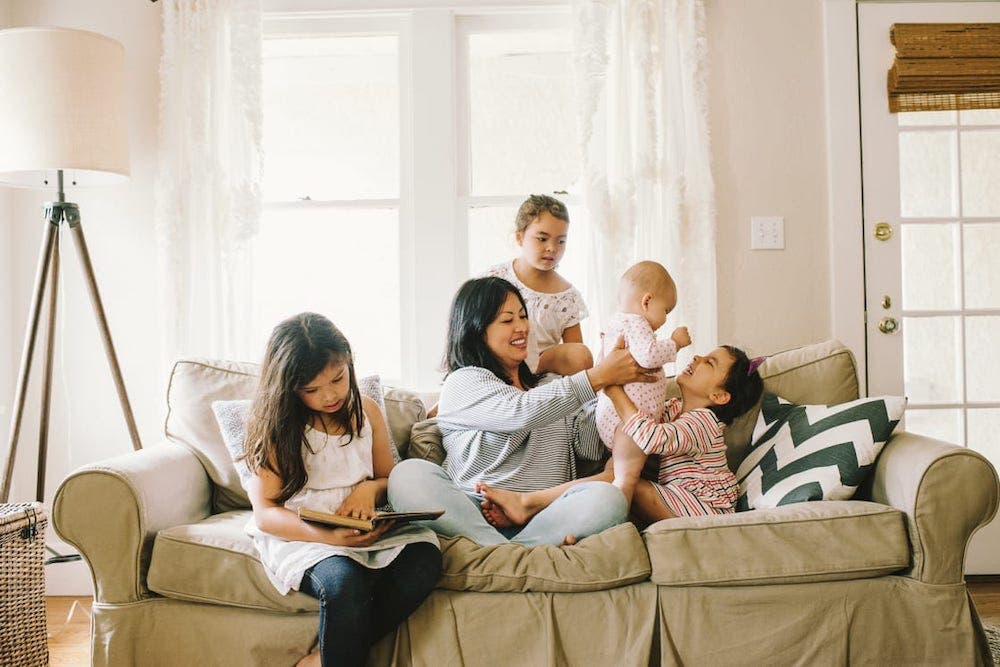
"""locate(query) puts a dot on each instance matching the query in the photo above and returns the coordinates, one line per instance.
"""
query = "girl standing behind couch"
(313, 441)
(556, 308)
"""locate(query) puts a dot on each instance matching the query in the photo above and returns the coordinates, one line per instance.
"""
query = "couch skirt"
(886, 620)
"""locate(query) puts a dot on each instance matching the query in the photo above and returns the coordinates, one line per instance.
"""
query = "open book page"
(366, 524)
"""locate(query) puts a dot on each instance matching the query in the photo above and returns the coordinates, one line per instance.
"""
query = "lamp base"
(47, 278)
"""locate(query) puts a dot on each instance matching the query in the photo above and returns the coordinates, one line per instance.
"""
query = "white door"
(932, 186)
(932, 243)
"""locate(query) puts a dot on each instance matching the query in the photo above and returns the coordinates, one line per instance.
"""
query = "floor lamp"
(62, 115)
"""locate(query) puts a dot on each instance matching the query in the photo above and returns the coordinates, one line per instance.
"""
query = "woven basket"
(22, 585)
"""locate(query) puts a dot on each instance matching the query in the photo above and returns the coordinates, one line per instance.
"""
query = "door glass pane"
(927, 174)
(492, 240)
(980, 117)
(331, 118)
(929, 271)
(926, 118)
(931, 359)
(982, 269)
(522, 117)
(984, 425)
(343, 264)
(981, 173)
(983, 357)
(941, 424)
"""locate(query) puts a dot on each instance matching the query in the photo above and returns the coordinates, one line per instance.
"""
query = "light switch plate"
(767, 233)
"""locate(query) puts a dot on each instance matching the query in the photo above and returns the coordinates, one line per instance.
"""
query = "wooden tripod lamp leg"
(41, 276)
(73, 218)
(50, 341)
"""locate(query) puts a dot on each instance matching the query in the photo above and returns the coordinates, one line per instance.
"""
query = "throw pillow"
(813, 452)
(232, 418)
(371, 386)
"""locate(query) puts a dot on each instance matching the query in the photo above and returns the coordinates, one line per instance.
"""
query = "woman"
(503, 426)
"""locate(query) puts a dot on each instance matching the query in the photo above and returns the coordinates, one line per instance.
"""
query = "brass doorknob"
(888, 325)
(883, 231)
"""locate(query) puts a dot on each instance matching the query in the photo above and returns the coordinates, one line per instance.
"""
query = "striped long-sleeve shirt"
(692, 452)
(513, 439)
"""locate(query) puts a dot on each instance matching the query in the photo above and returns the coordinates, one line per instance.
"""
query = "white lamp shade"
(62, 106)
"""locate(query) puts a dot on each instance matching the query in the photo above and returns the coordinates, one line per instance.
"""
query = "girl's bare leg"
(628, 460)
(647, 504)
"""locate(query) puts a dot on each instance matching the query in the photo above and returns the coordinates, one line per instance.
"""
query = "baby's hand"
(681, 337)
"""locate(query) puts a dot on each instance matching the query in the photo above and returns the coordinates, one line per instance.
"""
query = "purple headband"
(755, 364)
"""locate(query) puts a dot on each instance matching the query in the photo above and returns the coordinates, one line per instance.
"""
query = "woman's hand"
(360, 504)
(352, 537)
(619, 367)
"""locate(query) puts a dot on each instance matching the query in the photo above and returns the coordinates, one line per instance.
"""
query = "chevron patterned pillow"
(813, 452)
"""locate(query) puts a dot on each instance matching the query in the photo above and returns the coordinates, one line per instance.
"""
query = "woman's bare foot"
(517, 506)
(311, 660)
(494, 515)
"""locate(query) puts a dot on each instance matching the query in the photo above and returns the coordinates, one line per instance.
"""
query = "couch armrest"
(946, 492)
(111, 511)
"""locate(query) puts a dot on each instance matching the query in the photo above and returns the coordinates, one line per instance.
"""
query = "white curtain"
(208, 202)
(647, 181)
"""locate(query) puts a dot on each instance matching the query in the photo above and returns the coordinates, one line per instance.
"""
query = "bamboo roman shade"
(945, 66)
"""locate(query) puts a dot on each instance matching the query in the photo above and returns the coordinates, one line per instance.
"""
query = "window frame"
(435, 170)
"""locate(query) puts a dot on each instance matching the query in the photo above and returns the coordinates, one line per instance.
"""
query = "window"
(397, 149)
(329, 239)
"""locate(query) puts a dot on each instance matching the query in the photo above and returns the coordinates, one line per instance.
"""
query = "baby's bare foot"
(517, 507)
(569, 541)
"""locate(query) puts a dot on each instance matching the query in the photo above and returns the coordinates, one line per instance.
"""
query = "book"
(366, 525)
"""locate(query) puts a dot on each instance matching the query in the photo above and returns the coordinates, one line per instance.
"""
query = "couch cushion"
(403, 409)
(613, 558)
(215, 561)
(804, 542)
(814, 452)
(196, 383)
(823, 373)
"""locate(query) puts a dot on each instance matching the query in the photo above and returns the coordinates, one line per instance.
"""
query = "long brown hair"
(298, 350)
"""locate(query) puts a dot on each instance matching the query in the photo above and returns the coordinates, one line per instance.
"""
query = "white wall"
(767, 118)
(86, 420)
(8, 349)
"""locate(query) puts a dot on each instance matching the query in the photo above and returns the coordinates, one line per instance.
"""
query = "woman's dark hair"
(477, 303)
(299, 349)
(744, 387)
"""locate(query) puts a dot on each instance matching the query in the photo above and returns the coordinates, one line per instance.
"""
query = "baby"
(646, 295)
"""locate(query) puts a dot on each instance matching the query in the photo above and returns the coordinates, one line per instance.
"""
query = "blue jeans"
(359, 606)
(584, 509)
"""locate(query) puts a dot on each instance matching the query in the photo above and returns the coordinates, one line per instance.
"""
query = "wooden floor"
(69, 640)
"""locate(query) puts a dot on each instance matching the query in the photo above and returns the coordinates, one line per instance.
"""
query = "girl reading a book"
(314, 442)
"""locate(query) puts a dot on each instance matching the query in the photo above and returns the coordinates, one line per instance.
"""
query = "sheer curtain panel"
(641, 69)
(208, 201)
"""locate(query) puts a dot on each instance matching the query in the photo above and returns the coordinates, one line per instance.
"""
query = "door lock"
(888, 325)
(883, 231)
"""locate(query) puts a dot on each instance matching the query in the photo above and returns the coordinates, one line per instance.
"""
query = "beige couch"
(876, 580)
